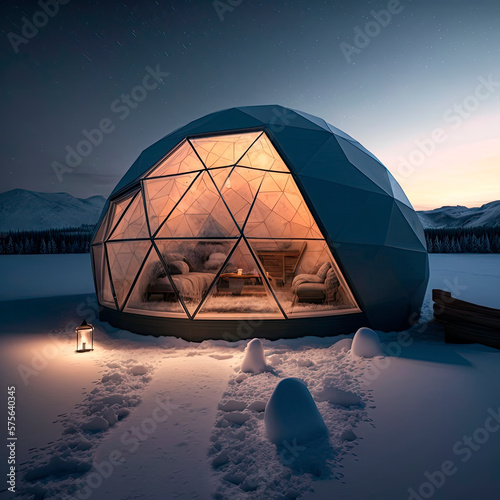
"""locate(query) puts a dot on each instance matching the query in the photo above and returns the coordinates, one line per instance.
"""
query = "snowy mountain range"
(455, 217)
(21, 210)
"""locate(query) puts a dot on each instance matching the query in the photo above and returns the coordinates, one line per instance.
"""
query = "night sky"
(431, 75)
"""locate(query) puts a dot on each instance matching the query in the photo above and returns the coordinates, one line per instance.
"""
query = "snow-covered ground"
(146, 418)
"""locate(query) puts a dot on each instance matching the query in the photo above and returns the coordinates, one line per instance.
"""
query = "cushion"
(190, 265)
(323, 270)
(178, 267)
(331, 287)
(215, 261)
(173, 256)
(304, 278)
(311, 291)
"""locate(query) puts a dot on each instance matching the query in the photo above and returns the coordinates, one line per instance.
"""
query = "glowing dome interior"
(240, 215)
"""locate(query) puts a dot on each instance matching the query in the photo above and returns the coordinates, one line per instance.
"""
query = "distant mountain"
(455, 217)
(21, 209)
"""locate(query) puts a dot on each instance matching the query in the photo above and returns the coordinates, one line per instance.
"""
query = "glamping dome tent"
(258, 221)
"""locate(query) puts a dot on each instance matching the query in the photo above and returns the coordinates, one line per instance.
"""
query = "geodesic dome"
(262, 215)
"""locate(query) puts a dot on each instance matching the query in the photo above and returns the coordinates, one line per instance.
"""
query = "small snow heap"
(291, 414)
(342, 345)
(138, 370)
(366, 344)
(254, 360)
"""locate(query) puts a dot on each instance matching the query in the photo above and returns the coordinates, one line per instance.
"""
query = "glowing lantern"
(84, 337)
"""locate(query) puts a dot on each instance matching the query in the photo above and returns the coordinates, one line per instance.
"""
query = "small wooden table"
(237, 281)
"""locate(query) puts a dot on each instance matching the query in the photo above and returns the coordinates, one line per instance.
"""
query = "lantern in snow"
(84, 337)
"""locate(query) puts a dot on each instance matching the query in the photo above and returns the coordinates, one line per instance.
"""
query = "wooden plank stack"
(466, 323)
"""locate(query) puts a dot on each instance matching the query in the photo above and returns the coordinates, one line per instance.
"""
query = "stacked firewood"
(465, 322)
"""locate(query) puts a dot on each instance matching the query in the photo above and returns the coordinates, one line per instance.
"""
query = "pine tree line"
(78, 239)
(463, 240)
(67, 240)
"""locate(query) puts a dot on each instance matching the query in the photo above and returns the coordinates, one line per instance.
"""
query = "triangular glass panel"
(263, 155)
(115, 211)
(193, 266)
(154, 291)
(125, 259)
(103, 286)
(162, 194)
(220, 176)
(133, 223)
(223, 150)
(181, 159)
(239, 190)
(303, 276)
(103, 229)
(240, 290)
(200, 213)
(280, 211)
(107, 292)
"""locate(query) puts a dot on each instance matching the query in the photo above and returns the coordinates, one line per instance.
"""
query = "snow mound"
(246, 464)
(366, 344)
(305, 362)
(221, 459)
(258, 406)
(291, 414)
(348, 435)
(232, 405)
(138, 370)
(338, 396)
(254, 360)
(343, 344)
(237, 417)
(221, 356)
(97, 424)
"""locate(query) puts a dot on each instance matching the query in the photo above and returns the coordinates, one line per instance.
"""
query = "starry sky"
(418, 84)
